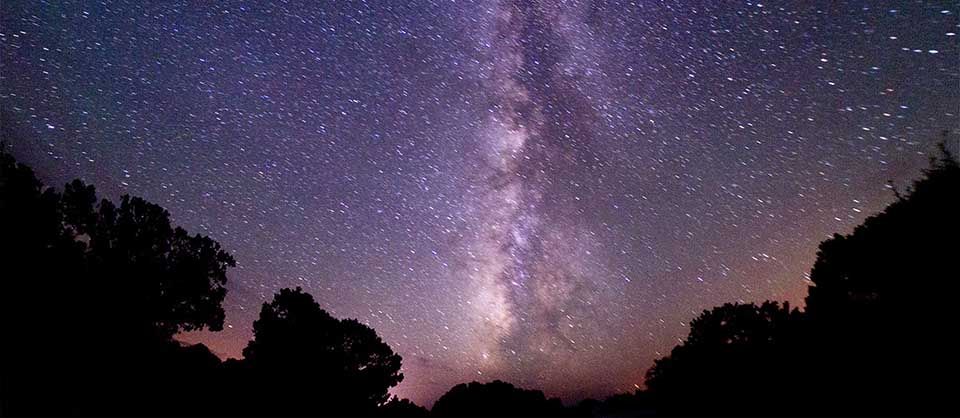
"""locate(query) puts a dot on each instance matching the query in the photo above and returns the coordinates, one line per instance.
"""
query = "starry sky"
(543, 192)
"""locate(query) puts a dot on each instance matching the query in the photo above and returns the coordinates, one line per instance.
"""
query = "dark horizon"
(543, 193)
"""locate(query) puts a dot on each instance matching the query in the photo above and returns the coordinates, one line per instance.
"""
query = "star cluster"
(542, 192)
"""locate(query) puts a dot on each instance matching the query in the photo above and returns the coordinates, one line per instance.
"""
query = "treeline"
(94, 292)
(877, 336)
(874, 338)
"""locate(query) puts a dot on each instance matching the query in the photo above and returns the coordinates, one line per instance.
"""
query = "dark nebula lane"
(542, 192)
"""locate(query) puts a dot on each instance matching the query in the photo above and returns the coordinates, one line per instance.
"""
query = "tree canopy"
(128, 258)
(731, 357)
(870, 341)
(896, 259)
(341, 365)
(91, 288)
(495, 399)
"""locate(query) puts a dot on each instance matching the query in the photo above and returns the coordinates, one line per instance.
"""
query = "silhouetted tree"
(871, 341)
(317, 364)
(37, 257)
(732, 362)
(897, 258)
(883, 295)
(495, 399)
(93, 294)
(165, 280)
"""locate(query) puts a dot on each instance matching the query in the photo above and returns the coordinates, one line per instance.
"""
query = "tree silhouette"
(896, 257)
(871, 340)
(37, 254)
(886, 292)
(318, 364)
(93, 294)
(495, 399)
(169, 281)
(732, 362)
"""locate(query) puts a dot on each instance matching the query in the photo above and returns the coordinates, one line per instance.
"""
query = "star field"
(542, 192)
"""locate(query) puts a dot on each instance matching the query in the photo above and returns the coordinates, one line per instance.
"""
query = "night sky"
(542, 192)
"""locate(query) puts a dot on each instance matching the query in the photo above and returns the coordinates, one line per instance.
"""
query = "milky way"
(544, 192)
(530, 261)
